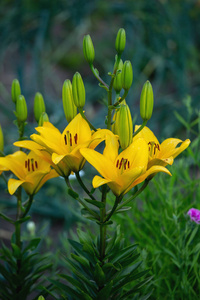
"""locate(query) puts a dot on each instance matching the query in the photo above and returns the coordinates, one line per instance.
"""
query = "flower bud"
(68, 103)
(1, 140)
(78, 90)
(39, 106)
(21, 109)
(115, 126)
(88, 49)
(146, 101)
(127, 75)
(15, 90)
(117, 84)
(125, 129)
(120, 42)
(43, 118)
(31, 228)
(40, 298)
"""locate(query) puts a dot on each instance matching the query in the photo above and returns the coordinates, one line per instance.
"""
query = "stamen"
(26, 163)
(117, 163)
(75, 138)
(36, 164)
(70, 139)
(125, 162)
(29, 165)
(128, 164)
(65, 138)
(121, 163)
(32, 164)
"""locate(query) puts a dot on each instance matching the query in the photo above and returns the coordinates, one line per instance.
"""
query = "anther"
(26, 163)
(65, 138)
(75, 138)
(36, 164)
(128, 164)
(70, 139)
(29, 165)
(117, 163)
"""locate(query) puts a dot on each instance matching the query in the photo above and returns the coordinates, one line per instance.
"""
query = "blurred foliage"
(41, 45)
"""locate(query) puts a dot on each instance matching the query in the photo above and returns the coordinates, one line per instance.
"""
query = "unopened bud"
(127, 75)
(43, 118)
(125, 126)
(115, 120)
(39, 106)
(120, 42)
(88, 49)
(1, 140)
(41, 298)
(146, 101)
(78, 90)
(21, 109)
(70, 109)
(15, 90)
(31, 227)
(117, 84)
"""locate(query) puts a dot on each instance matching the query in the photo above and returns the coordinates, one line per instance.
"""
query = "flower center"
(31, 164)
(153, 148)
(69, 140)
(123, 164)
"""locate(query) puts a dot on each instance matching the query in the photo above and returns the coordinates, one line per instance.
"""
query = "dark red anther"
(29, 165)
(33, 168)
(70, 139)
(36, 164)
(75, 138)
(26, 163)
(65, 138)
(128, 164)
(121, 163)
(117, 163)
(125, 162)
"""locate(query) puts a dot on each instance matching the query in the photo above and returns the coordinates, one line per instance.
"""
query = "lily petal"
(98, 181)
(146, 134)
(13, 184)
(168, 147)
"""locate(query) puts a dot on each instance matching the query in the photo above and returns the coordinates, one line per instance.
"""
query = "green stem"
(140, 128)
(121, 99)
(102, 225)
(7, 218)
(110, 93)
(81, 201)
(134, 196)
(117, 201)
(84, 117)
(97, 76)
(83, 186)
(30, 201)
(17, 224)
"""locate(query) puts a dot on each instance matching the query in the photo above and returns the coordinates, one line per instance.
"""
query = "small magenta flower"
(194, 215)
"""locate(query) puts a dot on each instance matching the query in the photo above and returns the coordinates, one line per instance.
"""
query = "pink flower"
(194, 215)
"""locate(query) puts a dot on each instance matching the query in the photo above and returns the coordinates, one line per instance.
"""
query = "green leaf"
(32, 245)
(103, 86)
(105, 292)
(74, 282)
(118, 256)
(68, 290)
(95, 203)
(16, 251)
(80, 260)
(123, 209)
(99, 275)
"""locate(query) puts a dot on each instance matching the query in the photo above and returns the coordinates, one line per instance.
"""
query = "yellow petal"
(146, 134)
(152, 171)
(101, 163)
(127, 178)
(111, 148)
(98, 181)
(168, 147)
(160, 162)
(51, 174)
(13, 184)
(15, 163)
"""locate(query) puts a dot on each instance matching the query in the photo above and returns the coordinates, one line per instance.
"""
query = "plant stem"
(78, 177)
(17, 224)
(117, 201)
(135, 195)
(30, 201)
(102, 225)
(84, 117)
(97, 76)
(140, 128)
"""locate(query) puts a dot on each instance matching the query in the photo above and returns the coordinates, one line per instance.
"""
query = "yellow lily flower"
(161, 154)
(62, 150)
(121, 171)
(31, 170)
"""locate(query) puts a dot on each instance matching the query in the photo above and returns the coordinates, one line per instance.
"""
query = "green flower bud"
(88, 49)
(21, 109)
(120, 42)
(43, 118)
(125, 129)
(39, 106)
(41, 298)
(15, 90)
(78, 90)
(115, 126)
(127, 75)
(146, 101)
(117, 84)
(1, 140)
(68, 103)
